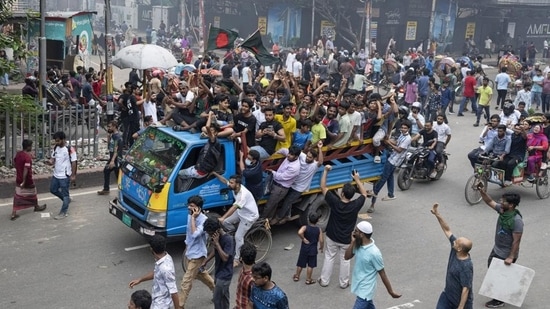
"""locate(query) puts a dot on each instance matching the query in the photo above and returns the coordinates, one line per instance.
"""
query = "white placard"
(507, 283)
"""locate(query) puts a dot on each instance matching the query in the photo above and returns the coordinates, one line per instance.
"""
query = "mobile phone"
(354, 172)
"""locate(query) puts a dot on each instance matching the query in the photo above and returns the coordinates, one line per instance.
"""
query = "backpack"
(69, 151)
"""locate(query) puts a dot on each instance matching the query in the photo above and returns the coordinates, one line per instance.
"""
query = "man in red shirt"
(25, 190)
(245, 283)
(469, 93)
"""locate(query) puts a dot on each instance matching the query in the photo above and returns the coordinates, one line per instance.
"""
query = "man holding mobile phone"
(196, 250)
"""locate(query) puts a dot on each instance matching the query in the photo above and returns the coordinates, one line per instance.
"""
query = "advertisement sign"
(470, 30)
(328, 29)
(145, 19)
(410, 34)
(262, 25)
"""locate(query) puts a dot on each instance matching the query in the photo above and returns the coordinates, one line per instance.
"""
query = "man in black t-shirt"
(341, 223)
(269, 133)
(208, 156)
(245, 123)
(129, 114)
(429, 140)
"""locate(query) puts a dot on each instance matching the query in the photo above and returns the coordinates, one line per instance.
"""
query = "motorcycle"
(415, 166)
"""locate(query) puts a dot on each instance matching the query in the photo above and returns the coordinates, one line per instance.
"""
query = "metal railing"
(81, 126)
(21, 6)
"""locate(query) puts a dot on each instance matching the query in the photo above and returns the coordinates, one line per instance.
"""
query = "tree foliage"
(10, 36)
(342, 14)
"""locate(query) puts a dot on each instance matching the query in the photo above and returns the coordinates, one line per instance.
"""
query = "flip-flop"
(295, 278)
(14, 217)
(311, 281)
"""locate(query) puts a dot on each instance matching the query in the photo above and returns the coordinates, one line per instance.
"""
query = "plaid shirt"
(244, 286)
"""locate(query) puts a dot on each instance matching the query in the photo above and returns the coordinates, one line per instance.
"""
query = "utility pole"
(368, 9)
(109, 44)
(432, 20)
(42, 54)
(313, 23)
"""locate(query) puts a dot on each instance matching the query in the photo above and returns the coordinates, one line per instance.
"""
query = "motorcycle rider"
(416, 118)
(443, 135)
(429, 141)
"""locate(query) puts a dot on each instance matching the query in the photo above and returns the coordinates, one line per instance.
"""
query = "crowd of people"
(296, 108)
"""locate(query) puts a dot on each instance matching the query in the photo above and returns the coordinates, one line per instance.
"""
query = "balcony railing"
(523, 2)
(22, 6)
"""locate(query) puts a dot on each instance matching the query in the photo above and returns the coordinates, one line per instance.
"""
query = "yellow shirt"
(484, 95)
(289, 126)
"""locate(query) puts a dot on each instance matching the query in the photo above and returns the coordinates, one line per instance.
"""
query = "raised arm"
(444, 226)
(324, 188)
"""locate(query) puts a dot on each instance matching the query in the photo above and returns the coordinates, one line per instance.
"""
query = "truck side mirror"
(158, 188)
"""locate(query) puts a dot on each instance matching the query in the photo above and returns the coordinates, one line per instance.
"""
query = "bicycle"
(485, 173)
(259, 235)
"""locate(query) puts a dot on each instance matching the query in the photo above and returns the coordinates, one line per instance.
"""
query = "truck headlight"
(157, 219)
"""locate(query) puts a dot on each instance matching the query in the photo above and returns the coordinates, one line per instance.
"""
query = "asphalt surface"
(88, 259)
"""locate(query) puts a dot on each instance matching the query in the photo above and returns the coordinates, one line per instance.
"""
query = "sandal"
(370, 210)
(14, 217)
(296, 278)
(311, 281)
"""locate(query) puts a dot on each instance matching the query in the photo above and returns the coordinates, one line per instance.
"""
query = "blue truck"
(152, 198)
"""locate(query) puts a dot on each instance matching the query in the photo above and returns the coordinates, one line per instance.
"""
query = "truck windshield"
(155, 154)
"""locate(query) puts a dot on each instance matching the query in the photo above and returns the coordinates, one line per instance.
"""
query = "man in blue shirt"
(502, 80)
(377, 64)
(424, 87)
(196, 251)
(500, 144)
(460, 270)
(368, 263)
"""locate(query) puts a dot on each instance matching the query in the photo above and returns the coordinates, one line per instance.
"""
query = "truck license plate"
(127, 220)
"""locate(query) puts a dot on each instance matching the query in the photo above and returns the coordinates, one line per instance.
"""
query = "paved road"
(82, 262)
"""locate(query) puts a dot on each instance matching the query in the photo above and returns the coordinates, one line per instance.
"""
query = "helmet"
(508, 109)
(417, 105)
(403, 110)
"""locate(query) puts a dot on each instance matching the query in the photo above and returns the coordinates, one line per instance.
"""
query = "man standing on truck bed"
(269, 133)
(341, 223)
(208, 156)
(397, 157)
(283, 178)
(308, 167)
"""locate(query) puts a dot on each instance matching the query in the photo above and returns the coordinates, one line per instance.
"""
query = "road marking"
(136, 247)
(55, 197)
(406, 305)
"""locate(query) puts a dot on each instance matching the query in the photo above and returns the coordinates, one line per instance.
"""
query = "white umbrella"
(143, 57)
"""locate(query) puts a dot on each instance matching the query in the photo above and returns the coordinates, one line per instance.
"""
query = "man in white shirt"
(243, 213)
(247, 75)
(63, 159)
(488, 45)
(297, 68)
